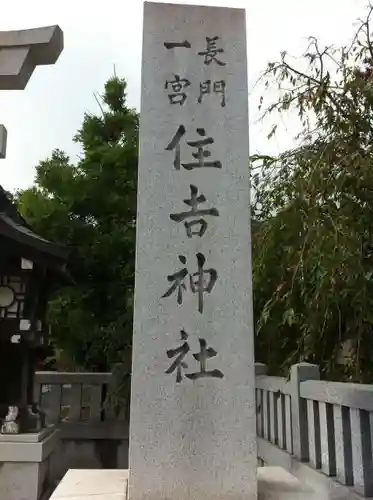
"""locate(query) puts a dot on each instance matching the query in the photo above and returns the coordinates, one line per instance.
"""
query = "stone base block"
(274, 483)
(96, 484)
(27, 438)
(25, 472)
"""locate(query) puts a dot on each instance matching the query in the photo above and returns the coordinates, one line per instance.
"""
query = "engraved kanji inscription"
(177, 280)
(209, 87)
(212, 51)
(198, 282)
(199, 224)
(201, 282)
(175, 88)
(202, 356)
(201, 154)
(179, 364)
(173, 45)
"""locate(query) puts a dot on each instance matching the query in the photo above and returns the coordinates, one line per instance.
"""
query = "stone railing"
(77, 402)
(305, 425)
(322, 432)
(93, 434)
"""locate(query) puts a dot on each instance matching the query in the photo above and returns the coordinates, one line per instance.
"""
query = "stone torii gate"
(20, 52)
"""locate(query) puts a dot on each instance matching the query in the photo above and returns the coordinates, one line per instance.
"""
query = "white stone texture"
(27, 450)
(80, 484)
(194, 439)
(25, 468)
(19, 481)
(274, 483)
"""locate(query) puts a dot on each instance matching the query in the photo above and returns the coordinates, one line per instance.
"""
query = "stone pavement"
(274, 483)
(101, 484)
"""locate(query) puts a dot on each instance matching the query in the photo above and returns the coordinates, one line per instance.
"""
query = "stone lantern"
(29, 268)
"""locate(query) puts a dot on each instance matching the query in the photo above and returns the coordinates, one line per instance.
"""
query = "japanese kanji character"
(179, 362)
(177, 280)
(172, 45)
(177, 96)
(207, 87)
(201, 154)
(212, 51)
(193, 202)
(197, 280)
(202, 356)
(198, 283)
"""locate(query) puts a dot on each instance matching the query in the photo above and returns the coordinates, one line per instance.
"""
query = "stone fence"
(322, 432)
(92, 434)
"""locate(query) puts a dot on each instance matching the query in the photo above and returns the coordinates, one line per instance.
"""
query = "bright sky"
(47, 114)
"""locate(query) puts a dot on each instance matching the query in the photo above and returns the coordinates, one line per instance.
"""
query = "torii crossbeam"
(20, 52)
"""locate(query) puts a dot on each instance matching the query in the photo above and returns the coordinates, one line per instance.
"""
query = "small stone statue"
(36, 418)
(10, 424)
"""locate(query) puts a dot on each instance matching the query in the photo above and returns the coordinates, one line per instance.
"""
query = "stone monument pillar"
(25, 458)
(192, 425)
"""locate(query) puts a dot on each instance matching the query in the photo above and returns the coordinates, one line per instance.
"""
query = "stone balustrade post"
(260, 369)
(298, 374)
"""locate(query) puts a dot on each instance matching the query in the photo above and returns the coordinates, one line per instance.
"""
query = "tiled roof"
(15, 228)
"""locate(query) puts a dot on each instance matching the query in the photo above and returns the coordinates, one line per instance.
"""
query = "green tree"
(91, 207)
(313, 263)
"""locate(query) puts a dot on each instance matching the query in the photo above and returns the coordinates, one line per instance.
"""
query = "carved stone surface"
(193, 434)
